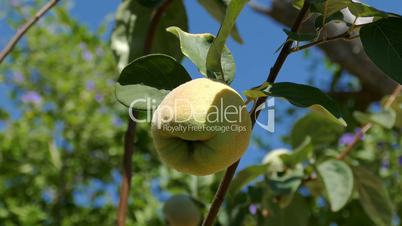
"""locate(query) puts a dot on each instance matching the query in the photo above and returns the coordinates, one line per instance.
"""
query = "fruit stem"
(227, 178)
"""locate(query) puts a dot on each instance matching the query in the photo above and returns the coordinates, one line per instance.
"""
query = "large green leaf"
(131, 29)
(322, 131)
(308, 96)
(217, 9)
(297, 213)
(245, 176)
(152, 77)
(373, 196)
(363, 10)
(337, 178)
(214, 66)
(196, 46)
(382, 43)
(332, 6)
(385, 118)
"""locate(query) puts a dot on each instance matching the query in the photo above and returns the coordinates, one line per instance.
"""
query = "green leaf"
(254, 94)
(214, 66)
(131, 29)
(373, 196)
(337, 178)
(297, 213)
(323, 131)
(300, 36)
(363, 10)
(302, 153)
(217, 9)
(196, 46)
(385, 118)
(151, 76)
(382, 43)
(332, 7)
(308, 96)
(245, 176)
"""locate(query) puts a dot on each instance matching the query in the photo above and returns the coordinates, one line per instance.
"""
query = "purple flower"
(253, 209)
(346, 139)
(14, 3)
(31, 97)
(87, 55)
(18, 77)
(117, 122)
(400, 160)
(385, 164)
(90, 85)
(99, 97)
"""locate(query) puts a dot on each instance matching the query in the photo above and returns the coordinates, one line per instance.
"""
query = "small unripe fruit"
(277, 169)
(180, 210)
(201, 127)
(275, 162)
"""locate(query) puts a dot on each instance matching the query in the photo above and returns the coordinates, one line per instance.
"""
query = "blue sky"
(262, 37)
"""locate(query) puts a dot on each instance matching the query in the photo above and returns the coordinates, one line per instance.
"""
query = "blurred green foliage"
(61, 147)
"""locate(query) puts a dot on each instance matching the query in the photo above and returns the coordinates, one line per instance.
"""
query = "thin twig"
(22, 30)
(127, 172)
(391, 99)
(130, 132)
(343, 36)
(227, 178)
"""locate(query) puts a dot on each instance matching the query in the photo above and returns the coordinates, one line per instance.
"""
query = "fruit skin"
(275, 162)
(283, 180)
(277, 166)
(180, 210)
(200, 152)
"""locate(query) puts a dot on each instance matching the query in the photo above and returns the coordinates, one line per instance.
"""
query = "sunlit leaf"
(322, 131)
(385, 118)
(196, 46)
(217, 9)
(338, 181)
(214, 66)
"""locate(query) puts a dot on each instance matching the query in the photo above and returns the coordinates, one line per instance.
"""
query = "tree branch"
(348, 54)
(344, 36)
(390, 100)
(22, 30)
(227, 178)
(130, 132)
